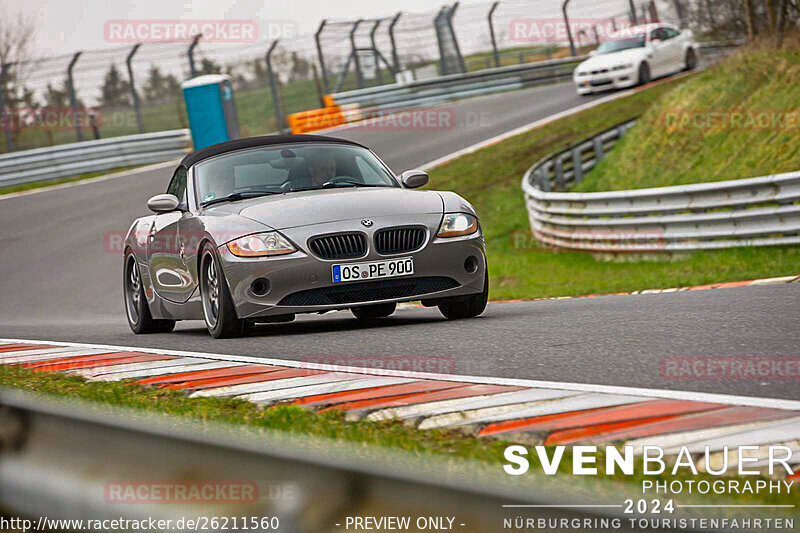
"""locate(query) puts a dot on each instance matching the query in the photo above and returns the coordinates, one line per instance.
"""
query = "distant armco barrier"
(380, 102)
(400, 98)
(759, 211)
(92, 156)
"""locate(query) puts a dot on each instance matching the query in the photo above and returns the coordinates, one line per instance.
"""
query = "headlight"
(622, 67)
(261, 245)
(458, 224)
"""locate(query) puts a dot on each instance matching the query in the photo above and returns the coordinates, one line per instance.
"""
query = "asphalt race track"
(60, 282)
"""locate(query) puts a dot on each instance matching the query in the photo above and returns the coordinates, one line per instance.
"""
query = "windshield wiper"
(236, 196)
(331, 185)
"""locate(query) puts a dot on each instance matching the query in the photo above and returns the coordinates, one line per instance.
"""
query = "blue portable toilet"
(211, 109)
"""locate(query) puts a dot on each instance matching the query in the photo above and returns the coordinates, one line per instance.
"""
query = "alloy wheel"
(210, 290)
(133, 290)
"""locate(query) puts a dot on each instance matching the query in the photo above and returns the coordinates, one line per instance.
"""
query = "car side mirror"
(163, 203)
(411, 179)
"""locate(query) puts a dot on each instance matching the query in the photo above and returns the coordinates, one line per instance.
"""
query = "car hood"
(321, 206)
(613, 59)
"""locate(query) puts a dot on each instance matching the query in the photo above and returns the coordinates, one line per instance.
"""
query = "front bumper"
(604, 81)
(438, 260)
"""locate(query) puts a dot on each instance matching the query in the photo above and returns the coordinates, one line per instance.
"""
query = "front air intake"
(399, 240)
(339, 246)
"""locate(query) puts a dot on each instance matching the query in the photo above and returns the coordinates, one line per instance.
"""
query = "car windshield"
(617, 45)
(288, 168)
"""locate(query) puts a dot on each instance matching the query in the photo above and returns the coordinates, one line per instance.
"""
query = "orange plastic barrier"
(316, 119)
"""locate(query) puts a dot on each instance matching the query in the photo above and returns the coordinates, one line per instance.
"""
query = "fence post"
(569, 30)
(654, 12)
(680, 13)
(450, 13)
(93, 124)
(274, 89)
(72, 97)
(321, 57)
(633, 12)
(192, 67)
(5, 119)
(577, 165)
(491, 34)
(436, 25)
(134, 95)
(395, 57)
(375, 50)
(318, 85)
(359, 74)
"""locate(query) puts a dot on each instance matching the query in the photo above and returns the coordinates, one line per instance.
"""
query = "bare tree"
(733, 19)
(770, 5)
(783, 14)
(17, 34)
(751, 21)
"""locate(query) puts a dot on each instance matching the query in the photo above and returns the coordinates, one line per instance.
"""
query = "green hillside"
(740, 119)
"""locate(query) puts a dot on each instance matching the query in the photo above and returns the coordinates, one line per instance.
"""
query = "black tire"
(367, 312)
(691, 60)
(219, 313)
(468, 307)
(137, 311)
(644, 74)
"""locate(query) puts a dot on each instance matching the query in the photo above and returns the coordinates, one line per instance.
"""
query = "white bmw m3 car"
(636, 55)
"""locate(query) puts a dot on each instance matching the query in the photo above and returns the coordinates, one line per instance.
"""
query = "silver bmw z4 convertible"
(259, 229)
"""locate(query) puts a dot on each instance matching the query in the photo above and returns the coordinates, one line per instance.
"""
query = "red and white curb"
(524, 411)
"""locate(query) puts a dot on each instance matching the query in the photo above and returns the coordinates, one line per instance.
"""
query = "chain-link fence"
(135, 88)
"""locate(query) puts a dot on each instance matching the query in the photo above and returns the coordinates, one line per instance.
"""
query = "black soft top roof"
(253, 142)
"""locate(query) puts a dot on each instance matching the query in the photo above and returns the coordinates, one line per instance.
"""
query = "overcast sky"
(69, 25)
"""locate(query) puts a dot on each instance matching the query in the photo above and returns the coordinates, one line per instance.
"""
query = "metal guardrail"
(92, 156)
(63, 460)
(761, 211)
(455, 86)
(352, 106)
(447, 88)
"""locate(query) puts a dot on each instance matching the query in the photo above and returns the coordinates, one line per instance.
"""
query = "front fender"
(219, 229)
(136, 237)
(454, 203)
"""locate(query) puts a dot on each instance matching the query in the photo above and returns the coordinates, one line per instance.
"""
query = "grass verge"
(391, 433)
(490, 180)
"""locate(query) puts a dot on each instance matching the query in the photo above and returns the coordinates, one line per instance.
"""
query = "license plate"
(391, 268)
